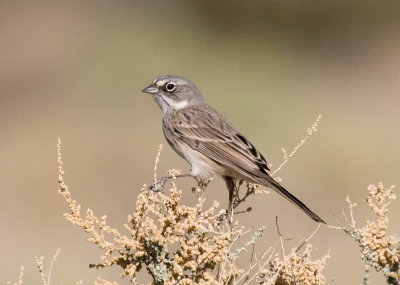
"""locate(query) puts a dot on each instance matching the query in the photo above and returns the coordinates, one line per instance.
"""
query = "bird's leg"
(230, 184)
(158, 186)
(251, 189)
(236, 197)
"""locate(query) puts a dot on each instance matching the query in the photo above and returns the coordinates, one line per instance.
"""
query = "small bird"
(206, 140)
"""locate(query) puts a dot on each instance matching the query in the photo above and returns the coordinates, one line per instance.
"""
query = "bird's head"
(174, 92)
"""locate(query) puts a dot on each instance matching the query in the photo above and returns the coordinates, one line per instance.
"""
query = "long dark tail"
(271, 183)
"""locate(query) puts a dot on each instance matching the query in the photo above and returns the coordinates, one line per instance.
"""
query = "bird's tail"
(271, 183)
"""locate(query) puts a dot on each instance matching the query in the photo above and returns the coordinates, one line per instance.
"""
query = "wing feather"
(212, 135)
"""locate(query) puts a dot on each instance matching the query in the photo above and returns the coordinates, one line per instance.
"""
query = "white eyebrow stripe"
(161, 82)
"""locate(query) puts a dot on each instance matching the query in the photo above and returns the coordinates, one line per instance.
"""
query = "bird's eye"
(170, 87)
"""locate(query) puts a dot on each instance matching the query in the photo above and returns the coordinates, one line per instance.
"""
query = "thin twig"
(21, 274)
(160, 148)
(269, 251)
(275, 276)
(280, 236)
(286, 157)
(51, 264)
(366, 275)
(308, 239)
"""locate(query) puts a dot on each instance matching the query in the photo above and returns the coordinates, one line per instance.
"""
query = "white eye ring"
(170, 86)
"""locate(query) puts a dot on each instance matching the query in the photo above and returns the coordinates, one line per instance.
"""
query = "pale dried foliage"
(176, 244)
(20, 276)
(296, 268)
(378, 249)
(45, 278)
(181, 244)
(187, 244)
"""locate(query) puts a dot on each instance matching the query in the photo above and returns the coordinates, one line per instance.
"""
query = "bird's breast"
(202, 166)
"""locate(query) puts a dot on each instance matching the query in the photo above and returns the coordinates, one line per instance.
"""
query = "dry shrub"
(295, 269)
(181, 244)
(378, 249)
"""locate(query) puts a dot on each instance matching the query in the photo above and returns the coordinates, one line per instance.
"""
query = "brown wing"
(211, 134)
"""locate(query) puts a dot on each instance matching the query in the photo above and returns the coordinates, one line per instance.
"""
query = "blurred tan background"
(75, 69)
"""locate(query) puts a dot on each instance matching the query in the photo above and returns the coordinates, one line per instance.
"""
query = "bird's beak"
(151, 89)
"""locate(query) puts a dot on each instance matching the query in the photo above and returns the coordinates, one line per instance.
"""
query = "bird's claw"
(158, 186)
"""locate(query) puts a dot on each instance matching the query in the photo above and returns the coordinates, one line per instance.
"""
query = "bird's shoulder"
(201, 116)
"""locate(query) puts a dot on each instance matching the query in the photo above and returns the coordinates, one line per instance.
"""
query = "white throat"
(181, 105)
(171, 104)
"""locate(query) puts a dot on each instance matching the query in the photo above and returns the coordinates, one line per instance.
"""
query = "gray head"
(174, 93)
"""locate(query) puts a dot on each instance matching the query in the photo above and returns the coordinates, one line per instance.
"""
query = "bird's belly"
(202, 166)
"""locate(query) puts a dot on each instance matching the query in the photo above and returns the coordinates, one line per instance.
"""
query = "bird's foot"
(158, 186)
(224, 217)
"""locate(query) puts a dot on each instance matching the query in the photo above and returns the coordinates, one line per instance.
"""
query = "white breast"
(202, 166)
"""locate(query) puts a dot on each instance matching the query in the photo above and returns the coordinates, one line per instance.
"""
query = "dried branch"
(379, 250)
(286, 157)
